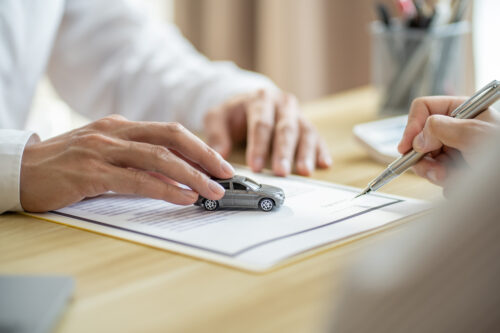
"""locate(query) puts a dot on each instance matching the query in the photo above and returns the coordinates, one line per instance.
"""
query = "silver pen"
(472, 107)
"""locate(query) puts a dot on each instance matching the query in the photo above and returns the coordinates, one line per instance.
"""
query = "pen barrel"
(405, 162)
(395, 169)
(482, 105)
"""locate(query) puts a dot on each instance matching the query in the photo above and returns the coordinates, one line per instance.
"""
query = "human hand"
(113, 154)
(267, 120)
(449, 141)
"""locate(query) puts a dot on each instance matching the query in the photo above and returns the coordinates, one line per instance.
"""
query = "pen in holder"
(409, 63)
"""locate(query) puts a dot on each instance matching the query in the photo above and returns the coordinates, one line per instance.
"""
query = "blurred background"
(312, 48)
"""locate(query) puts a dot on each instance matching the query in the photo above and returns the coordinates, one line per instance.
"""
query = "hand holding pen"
(443, 130)
(449, 142)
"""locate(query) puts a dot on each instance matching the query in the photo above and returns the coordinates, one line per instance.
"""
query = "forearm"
(110, 59)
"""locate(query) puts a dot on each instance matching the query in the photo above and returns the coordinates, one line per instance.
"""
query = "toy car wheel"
(266, 204)
(210, 204)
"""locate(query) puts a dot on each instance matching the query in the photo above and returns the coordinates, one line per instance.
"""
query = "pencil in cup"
(409, 63)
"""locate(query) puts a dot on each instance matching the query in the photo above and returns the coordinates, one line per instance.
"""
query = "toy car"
(243, 192)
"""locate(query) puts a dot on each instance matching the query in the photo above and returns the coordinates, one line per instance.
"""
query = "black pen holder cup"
(409, 63)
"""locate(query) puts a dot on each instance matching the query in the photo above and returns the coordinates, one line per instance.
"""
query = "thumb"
(217, 131)
(440, 130)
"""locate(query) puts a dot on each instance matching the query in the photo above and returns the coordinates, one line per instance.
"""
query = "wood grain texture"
(125, 287)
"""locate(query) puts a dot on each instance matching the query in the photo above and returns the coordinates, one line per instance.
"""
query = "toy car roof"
(237, 178)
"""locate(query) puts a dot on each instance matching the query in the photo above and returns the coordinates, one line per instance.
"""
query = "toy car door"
(228, 198)
(242, 195)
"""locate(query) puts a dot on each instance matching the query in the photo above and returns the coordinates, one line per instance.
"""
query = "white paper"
(314, 214)
(381, 137)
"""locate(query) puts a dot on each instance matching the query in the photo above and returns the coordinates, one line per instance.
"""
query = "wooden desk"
(124, 287)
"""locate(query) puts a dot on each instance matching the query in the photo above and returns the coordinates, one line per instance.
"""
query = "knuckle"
(263, 93)
(139, 182)
(195, 178)
(108, 123)
(175, 128)
(417, 105)
(309, 141)
(199, 178)
(91, 140)
(286, 128)
(209, 156)
(263, 125)
(160, 153)
(116, 117)
(96, 166)
(433, 123)
(417, 101)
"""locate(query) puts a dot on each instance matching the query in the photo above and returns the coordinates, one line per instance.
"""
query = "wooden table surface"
(125, 287)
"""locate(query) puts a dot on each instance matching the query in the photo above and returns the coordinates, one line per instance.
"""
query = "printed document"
(314, 214)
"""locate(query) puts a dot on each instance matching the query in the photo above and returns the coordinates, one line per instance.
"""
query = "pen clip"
(495, 84)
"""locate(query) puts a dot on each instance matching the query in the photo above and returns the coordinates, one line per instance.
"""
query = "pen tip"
(365, 191)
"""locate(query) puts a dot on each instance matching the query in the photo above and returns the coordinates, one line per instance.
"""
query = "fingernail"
(309, 165)
(227, 168)
(285, 165)
(432, 176)
(258, 163)
(327, 159)
(303, 168)
(418, 142)
(216, 188)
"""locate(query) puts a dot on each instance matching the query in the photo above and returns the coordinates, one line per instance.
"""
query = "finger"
(217, 130)
(163, 178)
(117, 116)
(432, 170)
(455, 156)
(306, 152)
(260, 115)
(132, 181)
(420, 110)
(490, 116)
(178, 138)
(159, 159)
(323, 159)
(286, 135)
(442, 130)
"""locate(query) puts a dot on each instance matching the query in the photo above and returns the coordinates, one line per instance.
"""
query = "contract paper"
(314, 214)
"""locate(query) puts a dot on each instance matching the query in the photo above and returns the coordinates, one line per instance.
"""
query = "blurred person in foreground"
(104, 57)
(441, 272)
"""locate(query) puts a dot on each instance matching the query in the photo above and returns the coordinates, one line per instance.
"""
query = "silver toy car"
(243, 192)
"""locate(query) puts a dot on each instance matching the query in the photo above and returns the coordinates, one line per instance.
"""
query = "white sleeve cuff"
(12, 143)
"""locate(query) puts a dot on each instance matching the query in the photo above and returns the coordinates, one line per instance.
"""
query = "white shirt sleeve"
(12, 143)
(108, 58)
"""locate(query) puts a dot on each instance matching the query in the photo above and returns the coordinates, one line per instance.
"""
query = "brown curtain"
(308, 47)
